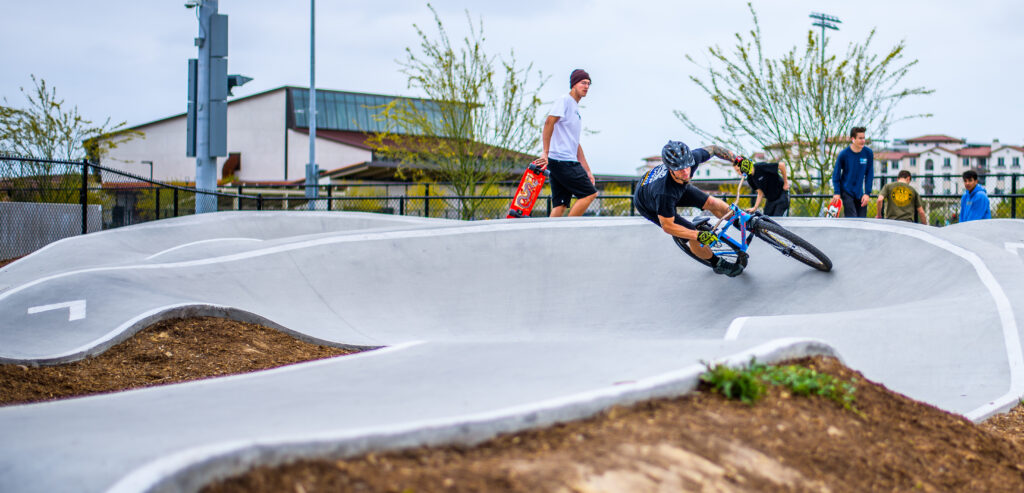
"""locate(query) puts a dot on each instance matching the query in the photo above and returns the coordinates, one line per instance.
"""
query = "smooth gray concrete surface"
(489, 326)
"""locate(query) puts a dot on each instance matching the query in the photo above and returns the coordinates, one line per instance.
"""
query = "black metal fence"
(67, 198)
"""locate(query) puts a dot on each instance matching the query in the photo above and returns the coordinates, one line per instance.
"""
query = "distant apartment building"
(938, 161)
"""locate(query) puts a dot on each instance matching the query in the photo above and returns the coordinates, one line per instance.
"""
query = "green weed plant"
(749, 383)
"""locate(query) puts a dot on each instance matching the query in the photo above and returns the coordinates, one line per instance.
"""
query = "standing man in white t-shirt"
(563, 155)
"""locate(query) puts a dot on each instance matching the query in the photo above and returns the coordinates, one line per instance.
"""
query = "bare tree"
(786, 105)
(479, 119)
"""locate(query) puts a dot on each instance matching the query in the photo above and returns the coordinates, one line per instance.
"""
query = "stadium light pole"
(312, 170)
(824, 21)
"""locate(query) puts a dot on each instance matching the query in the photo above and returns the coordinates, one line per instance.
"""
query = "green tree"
(46, 128)
(478, 121)
(785, 105)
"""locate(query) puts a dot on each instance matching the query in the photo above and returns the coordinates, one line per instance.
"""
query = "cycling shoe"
(728, 268)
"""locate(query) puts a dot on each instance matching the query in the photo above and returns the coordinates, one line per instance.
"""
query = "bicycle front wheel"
(791, 245)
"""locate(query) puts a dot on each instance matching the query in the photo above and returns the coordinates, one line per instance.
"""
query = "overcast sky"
(126, 59)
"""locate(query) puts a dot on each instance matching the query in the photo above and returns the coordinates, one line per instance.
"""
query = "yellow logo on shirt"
(900, 196)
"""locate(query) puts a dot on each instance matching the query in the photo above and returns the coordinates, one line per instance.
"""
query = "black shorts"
(692, 197)
(568, 178)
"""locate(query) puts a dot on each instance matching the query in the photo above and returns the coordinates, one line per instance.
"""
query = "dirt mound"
(696, 442)
(171, 351)
(699, 442)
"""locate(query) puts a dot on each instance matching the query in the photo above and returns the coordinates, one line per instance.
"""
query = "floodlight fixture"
(825, 20)
(235, 80)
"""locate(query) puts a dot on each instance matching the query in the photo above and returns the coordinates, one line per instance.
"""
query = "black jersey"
(659, 194)
(767, 179)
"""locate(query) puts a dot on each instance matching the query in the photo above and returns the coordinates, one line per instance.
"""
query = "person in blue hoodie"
(974, 203)
(853, 175)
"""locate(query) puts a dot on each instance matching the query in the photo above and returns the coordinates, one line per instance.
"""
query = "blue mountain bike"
(750, 225)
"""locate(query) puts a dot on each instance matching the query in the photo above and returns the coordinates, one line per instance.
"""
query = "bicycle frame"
(743, 218)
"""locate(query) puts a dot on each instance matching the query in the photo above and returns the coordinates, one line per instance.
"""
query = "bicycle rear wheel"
(791, 245)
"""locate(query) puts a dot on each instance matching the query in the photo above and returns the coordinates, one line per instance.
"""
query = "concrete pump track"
(480, 328)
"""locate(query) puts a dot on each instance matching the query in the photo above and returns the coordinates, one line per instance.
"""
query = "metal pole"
(83, 196)
(206, 165)
(1013, 201)
(312, 172)
(821, 76)
(426, 201)
(825, 21)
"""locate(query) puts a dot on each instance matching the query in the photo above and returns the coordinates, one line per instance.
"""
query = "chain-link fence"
(42, 200)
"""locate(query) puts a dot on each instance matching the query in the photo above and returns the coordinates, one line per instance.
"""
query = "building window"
(885, 166)
(1016, 162)
(982, 162)
(946, 163)
(1001, 162)
(967, 162)
(929, 165)
(913, 162)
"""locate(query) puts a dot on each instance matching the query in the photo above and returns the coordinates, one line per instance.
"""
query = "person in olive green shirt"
(901, 202)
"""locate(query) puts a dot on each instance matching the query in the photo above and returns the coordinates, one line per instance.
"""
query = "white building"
(268, 138)
(937, 163)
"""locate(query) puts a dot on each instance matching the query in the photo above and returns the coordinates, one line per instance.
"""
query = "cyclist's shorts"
(692, 197)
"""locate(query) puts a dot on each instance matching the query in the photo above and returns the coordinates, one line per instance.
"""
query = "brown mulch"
(171, 351)
(5, 262)
(698, 442)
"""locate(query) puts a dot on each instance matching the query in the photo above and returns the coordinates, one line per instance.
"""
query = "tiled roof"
(354, 139)
(933, 138)
(893, 155)
(975, 152)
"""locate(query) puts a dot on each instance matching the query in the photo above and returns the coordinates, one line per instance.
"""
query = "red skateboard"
(834, 208)
(529, 189)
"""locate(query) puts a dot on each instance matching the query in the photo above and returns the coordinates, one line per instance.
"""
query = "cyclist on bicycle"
(667, 186)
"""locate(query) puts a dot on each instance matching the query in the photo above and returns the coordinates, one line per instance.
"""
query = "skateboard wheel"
(515, 213)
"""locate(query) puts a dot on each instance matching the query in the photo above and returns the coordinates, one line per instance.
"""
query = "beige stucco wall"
(256, 129)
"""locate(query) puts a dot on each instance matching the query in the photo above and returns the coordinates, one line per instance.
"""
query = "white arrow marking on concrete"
(1013, 247)
(76, 309)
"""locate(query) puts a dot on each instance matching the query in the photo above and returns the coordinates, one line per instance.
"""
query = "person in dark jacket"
(771, 182)
(853, 175)
(974, 203)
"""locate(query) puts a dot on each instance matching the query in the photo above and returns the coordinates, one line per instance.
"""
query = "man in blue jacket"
(974, 203)
(853, 175)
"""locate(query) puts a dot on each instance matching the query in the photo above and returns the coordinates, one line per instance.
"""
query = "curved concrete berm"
(486, 327)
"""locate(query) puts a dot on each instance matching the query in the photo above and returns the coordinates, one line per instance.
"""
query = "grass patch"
(748, 383)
